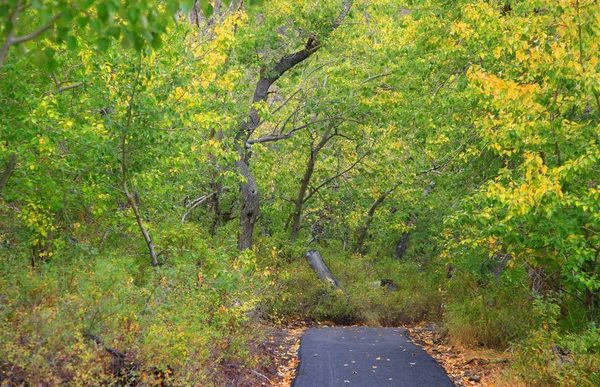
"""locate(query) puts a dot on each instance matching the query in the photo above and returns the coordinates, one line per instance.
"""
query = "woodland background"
(165, 166)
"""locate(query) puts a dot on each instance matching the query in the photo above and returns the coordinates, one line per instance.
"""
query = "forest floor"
(466, 367)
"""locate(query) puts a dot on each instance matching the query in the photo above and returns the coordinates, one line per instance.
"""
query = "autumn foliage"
(449, 149)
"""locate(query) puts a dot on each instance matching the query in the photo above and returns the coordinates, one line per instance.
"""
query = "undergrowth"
(92, 316)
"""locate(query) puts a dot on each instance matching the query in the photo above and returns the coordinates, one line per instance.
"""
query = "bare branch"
(34, 34)
(59, 84)
(320, 67)
(269, 138)
(290, 133)
(434, 170)
(343, 14)
(286, 101)
(287, 120)
(316, 189)
(375, 77)
(73, 86)
(195, 203)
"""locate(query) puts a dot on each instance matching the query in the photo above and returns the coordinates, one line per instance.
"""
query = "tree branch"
(195, 203)
(290, 133)
(72, 86)
(270, 76)
(34, 34)
(374, 77)
(286, 101)
(99, 341)
(315, 190)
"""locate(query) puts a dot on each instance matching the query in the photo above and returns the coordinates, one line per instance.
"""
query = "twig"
(259, 374)
(374, 77)
(314, 190)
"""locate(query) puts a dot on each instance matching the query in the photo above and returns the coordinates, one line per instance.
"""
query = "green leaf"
(82, 21)
(103, 12)
(103, 43)
(186, 6)
(207, 8)
(157, 42)
(72, 42)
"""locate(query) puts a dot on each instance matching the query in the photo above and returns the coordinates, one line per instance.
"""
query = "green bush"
(548, 358)
(298, 293)
(181, 320)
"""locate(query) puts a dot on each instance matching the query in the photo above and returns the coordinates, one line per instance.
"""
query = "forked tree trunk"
(308, 172)
(318, 265)
(249, 190)
(362, 234)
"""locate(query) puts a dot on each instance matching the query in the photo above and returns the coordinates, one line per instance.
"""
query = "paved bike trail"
(365, 357)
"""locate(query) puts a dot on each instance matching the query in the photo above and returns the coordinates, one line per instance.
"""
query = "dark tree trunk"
(301, 198)
(10, 166)
(402, 244)
(249, 190)
(318, 265)
(362, 234)
(249, 210)
(299, 202)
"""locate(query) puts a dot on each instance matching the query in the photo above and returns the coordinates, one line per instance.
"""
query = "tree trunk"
(299, 202)
(308, 172)
(402, 244)
(250, 199)
(143, 230)
(12, 162)
(133, 200)
(249, 210)
(362, 234)
(318, 265)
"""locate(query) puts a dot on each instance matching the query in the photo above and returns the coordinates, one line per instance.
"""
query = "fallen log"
(318, 265)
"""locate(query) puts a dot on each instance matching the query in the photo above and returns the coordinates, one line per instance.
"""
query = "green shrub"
(297, 292)
(181, 320)
(548, 358)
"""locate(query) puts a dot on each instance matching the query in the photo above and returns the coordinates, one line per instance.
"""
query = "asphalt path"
(365, 357)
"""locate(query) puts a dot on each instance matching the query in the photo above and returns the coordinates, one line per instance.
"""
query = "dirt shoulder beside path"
(466, 367)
